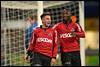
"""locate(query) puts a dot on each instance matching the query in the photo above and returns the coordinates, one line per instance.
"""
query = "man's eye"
(47, 18)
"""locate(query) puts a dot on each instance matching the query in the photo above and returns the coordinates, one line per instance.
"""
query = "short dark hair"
(44, 14)
(33, 17)
(66, 9)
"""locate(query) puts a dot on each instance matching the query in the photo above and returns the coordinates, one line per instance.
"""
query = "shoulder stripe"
(56, 25)
(79, 28)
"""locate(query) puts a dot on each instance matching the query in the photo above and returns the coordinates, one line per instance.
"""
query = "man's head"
(66, 15)
(46, 19)
(32, 18)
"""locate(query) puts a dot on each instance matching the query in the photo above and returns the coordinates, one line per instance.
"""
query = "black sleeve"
(29, 53)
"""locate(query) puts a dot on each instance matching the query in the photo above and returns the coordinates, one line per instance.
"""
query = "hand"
(53, 61)
(73, 34)
(27, 57)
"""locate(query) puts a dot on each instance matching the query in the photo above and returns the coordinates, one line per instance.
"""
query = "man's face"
(46, 20)
(66, 15)
(31, 20)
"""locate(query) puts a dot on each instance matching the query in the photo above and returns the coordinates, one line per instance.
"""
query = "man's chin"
(64, 21)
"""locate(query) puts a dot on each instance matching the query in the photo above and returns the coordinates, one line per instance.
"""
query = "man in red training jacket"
(69, 33)
(44, 43)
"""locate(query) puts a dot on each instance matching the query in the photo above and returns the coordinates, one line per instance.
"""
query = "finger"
(52, 63)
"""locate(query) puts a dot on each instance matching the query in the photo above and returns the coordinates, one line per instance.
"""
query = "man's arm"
(31, 44)
(26, 38)
(80, 32)
(55, 45)
(30, 48)
(55, 48)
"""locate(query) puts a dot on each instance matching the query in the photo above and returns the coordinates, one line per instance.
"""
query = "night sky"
(91, 8)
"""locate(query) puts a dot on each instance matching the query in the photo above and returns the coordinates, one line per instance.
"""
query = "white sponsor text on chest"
(44, 40)
(65, 35)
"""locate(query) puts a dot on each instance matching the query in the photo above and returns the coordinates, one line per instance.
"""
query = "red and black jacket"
(44, 41)
(67, 42)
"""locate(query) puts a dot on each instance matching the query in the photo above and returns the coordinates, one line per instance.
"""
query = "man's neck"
(67, 22)
(43, 26)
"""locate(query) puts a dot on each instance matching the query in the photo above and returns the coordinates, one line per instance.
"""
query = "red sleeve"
(55, 27)
(32, 42)
(80, 32)
(55, 44)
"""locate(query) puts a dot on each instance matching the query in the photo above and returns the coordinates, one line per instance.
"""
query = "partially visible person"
(44, 43)
(28, 33)
(69, 33)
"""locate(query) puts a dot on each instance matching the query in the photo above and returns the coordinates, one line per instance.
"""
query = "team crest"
(50, 34)
(73, 29)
